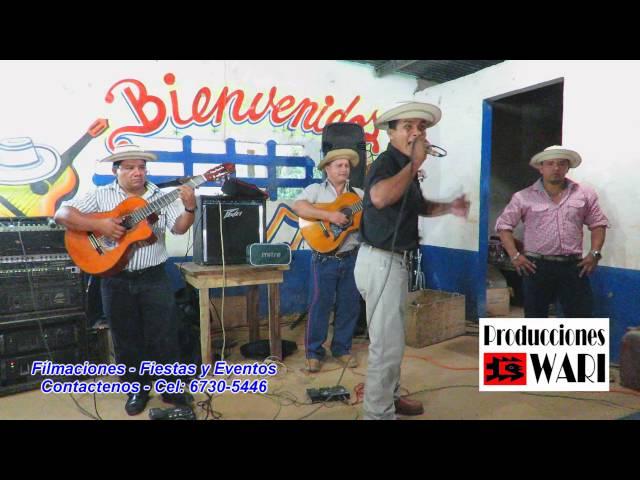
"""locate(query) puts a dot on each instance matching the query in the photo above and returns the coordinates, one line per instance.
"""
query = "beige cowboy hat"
(332, 155)
(426, 111)
(129, 152)
(556, 152)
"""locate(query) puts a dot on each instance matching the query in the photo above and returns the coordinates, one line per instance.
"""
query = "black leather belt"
(138, 273)
(554, 258)
(337, 255)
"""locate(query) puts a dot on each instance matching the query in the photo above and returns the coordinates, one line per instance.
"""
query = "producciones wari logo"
(544, 354)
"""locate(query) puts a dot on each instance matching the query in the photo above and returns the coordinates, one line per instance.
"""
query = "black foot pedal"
(328, 394)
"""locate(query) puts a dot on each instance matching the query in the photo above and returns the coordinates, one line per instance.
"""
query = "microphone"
(436, 151)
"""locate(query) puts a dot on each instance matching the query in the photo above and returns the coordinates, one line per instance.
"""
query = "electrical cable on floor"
(310, 413)
(566, 397)
(207, 406)
(95, 403)
(431, 360)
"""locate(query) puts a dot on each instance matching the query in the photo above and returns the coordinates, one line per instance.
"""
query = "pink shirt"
(550, 228)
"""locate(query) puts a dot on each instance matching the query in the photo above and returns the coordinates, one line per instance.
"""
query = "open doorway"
(516, 126)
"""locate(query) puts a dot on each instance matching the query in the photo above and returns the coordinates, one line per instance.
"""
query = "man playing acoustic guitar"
(332, 281)
(138, 302)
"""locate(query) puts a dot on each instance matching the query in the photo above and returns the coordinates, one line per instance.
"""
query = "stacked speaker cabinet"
(227, 224)
(42, 302)
(341, 135)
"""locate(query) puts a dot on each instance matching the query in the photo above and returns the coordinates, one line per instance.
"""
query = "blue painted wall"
(453, 270)
(616, 291)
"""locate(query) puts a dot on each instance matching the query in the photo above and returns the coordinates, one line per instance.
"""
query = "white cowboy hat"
(426, 111)
(23, 162)
(556, 152)
(332, 155)
(129, 152)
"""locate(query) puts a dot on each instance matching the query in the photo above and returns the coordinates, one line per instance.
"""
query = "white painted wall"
(54, 102)
(601, 120)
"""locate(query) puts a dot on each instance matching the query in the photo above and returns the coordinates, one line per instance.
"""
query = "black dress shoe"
(181, 399)
(136, 403)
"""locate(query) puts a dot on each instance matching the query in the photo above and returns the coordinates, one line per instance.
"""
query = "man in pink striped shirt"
(554, 210)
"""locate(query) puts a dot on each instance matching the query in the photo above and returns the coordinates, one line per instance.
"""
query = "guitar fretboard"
(163, 201)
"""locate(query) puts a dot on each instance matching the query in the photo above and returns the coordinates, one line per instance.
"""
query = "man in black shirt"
(389, 230)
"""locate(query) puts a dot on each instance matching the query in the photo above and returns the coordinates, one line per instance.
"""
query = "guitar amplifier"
(243, 223)
(263, 254)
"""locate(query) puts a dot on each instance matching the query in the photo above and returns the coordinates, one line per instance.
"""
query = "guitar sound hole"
(108, 243)
(126, 223)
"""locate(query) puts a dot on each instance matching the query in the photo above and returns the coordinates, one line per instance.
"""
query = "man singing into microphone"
(389, 229)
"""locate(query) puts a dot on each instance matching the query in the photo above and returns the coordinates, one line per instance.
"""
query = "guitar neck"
(164, 200)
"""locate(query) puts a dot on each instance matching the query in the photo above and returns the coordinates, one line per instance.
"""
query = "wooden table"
(204, 277)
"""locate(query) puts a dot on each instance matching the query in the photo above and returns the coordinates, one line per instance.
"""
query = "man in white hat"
(554, 210)
(332, 283)
(139, 301)
(389, 230)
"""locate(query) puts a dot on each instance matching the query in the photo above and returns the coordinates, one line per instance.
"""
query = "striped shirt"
(107, 197)
(553, 228)
(325, 192)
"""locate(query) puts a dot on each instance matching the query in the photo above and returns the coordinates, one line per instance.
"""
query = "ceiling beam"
(392, 66)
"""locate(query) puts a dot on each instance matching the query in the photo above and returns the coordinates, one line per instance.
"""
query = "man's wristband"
(190, 211)
(515, 257)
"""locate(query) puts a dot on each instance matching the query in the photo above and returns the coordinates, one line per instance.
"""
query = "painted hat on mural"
(332, 155)
(23, 162)
(556, 152)
(129, 151)
(426, 111)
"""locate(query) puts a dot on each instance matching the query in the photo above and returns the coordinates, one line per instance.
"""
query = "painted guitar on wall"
(101, 256)
(326, 237)
(35, 196)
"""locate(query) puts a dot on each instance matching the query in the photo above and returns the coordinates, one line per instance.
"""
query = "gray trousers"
(386, 301)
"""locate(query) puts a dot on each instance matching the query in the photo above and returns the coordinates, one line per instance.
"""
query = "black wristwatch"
(191, 211)
(596, 254)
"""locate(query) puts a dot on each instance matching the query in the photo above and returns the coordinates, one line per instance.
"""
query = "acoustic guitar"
(101, 256)
(326, 237)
